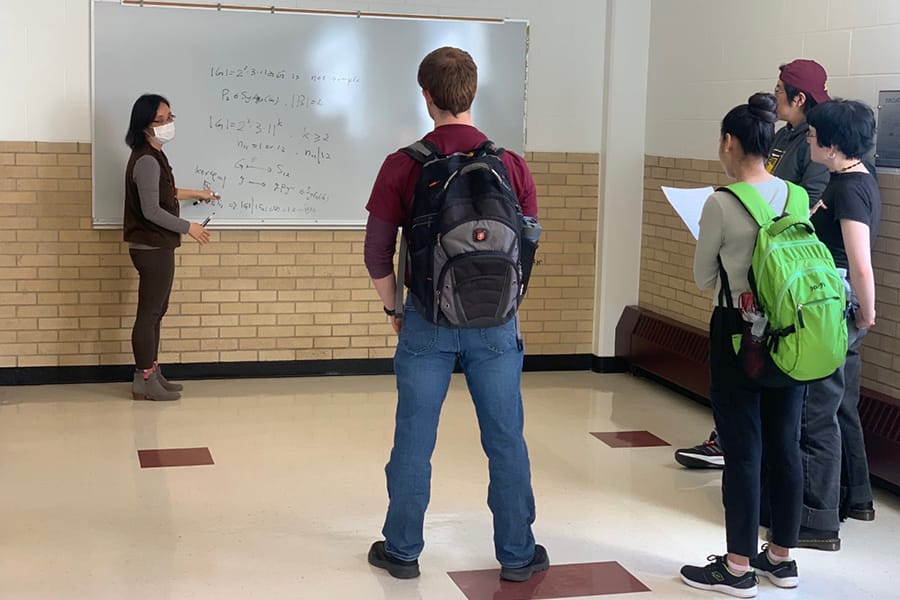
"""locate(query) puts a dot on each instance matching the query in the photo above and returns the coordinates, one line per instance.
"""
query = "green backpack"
(797, 288)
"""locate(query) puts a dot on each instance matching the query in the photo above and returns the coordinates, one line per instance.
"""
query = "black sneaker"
(715, 577)
(540, 562)
(401, 569)
(862, 512)
(783, 574)
(708, 455)
(818, 539)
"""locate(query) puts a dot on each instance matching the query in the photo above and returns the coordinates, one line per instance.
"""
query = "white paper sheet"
(688, 203)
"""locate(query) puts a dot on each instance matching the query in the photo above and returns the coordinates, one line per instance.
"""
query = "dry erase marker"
(213, 196)
(205, 221)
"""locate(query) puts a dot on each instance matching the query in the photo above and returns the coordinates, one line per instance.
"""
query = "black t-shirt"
(850, 196)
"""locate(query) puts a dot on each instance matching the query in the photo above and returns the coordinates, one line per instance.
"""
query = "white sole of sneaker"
(782, 582)
(713, 460)
(700, 460)
(725, 589)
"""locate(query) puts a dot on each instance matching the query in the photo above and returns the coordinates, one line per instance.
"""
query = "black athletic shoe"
(401, 569)
(715, 577)
(862, 512)
(708, 455)
(819, 539)
(540, 562)
(814, 539)
(783, 574)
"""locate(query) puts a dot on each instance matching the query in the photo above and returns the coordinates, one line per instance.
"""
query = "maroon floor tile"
(561, 581)
(629, 439)
(174, 457)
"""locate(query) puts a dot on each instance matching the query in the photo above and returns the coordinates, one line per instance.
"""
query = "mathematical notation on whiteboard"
(273, 125)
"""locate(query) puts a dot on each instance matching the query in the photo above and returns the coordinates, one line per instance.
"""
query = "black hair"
(792, 92)
(143, 113)
(848, 125)
(753, 124)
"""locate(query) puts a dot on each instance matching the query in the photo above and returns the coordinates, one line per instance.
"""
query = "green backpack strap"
(752, 200)
(797, 205)
(796, 209)
(797, 201)
(796, 212)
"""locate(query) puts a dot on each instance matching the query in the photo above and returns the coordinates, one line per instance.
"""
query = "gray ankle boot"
(172, 387)
(150, 388)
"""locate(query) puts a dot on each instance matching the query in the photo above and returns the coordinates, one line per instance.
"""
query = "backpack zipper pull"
(800, 315)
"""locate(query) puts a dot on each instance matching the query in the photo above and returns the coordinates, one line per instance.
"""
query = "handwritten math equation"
(261, 207)
(278, 142)
(261, 72)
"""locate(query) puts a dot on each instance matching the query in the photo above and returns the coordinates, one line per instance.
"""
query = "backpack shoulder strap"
(759, 211)
(490, 147)
(797, 201)
(422, 151)
(796, 211)
(751, 200)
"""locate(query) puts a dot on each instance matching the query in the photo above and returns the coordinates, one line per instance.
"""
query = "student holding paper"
(748, 417)
(801, 85)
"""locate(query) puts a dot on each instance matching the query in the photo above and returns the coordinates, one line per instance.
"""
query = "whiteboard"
(287, 116)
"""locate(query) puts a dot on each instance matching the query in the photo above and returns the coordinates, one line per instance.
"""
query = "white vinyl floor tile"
(297, 493)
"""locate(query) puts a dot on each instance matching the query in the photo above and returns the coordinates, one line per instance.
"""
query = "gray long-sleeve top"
(146, 176)
(728, 231)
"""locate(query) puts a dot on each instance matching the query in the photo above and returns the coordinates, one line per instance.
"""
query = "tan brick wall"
(667, 247)
(667, 253)
(68, 292)
(881, 353)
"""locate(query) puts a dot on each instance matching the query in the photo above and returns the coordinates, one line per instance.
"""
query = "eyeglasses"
(158, 121)
(810, 135)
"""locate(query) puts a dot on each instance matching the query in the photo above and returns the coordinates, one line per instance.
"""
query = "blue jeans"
(492, 362)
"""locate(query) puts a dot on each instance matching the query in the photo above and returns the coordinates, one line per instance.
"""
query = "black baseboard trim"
(885, 485)
(609, 364)
(638, 372)
(557, 362)
(241, 370)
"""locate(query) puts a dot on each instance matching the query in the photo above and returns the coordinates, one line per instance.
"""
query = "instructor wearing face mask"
(153, 230)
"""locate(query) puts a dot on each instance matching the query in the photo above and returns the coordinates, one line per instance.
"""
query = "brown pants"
(156, 270)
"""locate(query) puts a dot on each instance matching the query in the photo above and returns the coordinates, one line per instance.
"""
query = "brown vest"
(137, 228)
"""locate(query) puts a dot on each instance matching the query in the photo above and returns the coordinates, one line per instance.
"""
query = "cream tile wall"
(714, 55)
(45, 61)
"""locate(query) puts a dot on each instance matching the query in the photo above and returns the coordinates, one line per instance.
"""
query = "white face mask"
(164, 133)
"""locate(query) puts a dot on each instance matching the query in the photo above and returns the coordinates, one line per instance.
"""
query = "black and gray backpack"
(469, 261)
